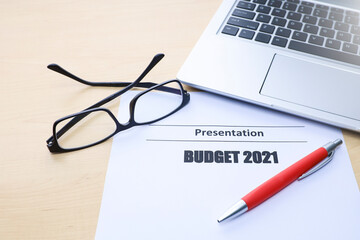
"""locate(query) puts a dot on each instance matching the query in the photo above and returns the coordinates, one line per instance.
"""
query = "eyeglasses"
(95, 124)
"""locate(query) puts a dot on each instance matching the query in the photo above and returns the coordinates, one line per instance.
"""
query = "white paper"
(151, 193)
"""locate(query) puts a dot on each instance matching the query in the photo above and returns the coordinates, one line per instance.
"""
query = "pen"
(299, 170)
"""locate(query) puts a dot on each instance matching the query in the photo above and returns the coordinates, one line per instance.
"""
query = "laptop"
(299, 57)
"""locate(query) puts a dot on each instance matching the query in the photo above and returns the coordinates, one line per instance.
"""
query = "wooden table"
(58, 196)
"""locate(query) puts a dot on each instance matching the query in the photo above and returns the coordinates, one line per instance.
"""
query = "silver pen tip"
(238, 209)
(223, 217)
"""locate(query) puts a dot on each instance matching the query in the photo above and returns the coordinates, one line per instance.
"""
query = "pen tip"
(224, 217)
(238, 209)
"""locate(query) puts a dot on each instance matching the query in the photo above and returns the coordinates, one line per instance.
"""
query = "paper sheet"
(154, 191)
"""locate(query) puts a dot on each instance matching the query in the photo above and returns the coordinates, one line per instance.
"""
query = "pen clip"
(318, 166)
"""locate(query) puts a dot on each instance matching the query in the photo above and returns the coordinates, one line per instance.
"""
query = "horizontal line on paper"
(189, 140)
(199, 125)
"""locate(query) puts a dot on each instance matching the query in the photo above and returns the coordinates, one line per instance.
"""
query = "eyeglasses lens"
(86, 128)
(158, 102)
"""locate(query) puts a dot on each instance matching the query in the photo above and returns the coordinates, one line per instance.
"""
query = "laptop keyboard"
(298, 25)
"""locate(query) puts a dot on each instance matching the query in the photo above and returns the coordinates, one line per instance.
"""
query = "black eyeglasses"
(95, 125)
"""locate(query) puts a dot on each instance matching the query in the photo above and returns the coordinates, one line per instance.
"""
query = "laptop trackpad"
(313, 85)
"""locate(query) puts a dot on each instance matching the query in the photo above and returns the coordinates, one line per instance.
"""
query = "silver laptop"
(300, 57)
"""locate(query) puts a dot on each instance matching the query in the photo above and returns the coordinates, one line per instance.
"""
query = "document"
(175, 178)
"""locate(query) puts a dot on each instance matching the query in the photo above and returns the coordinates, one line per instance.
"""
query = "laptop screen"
(354, 4)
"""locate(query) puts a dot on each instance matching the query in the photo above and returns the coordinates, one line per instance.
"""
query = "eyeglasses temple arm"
(55, 67)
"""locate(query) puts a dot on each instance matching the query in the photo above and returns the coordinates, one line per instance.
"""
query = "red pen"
(299, 170)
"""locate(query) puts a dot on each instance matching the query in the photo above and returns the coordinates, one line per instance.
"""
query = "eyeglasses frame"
(53, 144)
